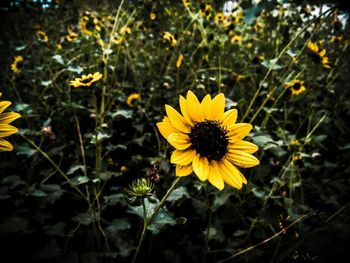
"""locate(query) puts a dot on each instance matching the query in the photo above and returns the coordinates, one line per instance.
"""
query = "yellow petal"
(201, 167)
(215, 176)
(194, 107)
(165, 128)
(184, 110)
(176, 119)
(183, 170)
(232, 176)
(230, 117)
(238, 131)
(5, 146)
(7, 130)
(244, 146)
(242, 159)
(322, 53)
(216, 108)
(179, 140)
(3, 105)
(182, 157)
(205, 106)
(8, 117)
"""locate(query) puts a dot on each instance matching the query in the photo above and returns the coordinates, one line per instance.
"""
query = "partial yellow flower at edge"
(132, 98)
(5, 128)
(170, 38)
(86, 80)
(208, 141)
(152, 16)
(179, 61)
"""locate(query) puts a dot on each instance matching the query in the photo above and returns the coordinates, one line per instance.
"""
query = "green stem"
(55, 165)
(277, 59)
(147, 222)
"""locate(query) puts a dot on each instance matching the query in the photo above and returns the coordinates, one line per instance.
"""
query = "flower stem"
(147, 222)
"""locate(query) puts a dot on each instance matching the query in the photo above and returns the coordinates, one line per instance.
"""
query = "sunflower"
(16, 65)
(152, 16)
(220, 18)
(86, 80)
(206, 10)
(5, 128)
(170, 38)
(296, 86)
(132, 98)
(41, 36)
(86, 25)
(317, 55)
(208, 141)
(236, 39)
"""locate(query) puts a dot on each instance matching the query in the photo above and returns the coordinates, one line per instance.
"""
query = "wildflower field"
(174, 131)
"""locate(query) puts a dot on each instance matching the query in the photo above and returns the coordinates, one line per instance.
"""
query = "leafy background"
(44, 218)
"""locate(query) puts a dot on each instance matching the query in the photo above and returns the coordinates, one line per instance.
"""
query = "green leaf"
(87, 218)
(25, 150)
(13, 225)
(127, 114)
(75, 68)
(177, 194)
(58, 59)
(271, 64)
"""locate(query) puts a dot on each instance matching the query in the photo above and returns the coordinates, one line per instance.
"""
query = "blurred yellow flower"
(205, 10)
(152, 16)
(86, 80)
(71, 37)
(132, 98)
(236, 39)
(208, 141)
(5, 128)
(15, 66)
(84, 26)
(295, 86)
(220, 18)
(317, 55)
(41, 36)
(170, 38)
(179, 61)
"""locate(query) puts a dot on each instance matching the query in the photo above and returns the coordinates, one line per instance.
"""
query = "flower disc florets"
(209, 139)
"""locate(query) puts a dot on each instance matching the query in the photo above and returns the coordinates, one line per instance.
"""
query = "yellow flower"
(317, 55)
(86, 80)
(186, 2)
(220, 18)
(84, 24)
(205, 10)
(15, 66)
(179, 61)
(295, 86)
(170, 38)
(71, 37)
(5, 128)
(125, 30)
(208, 141)
(132, 98)
(59, 46)
(152, 16)
(236, 39)
(41, 36)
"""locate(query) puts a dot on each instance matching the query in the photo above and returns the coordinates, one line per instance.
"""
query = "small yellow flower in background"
(220, 18)
(179, 61)
(208, 141)
(317, 55)
(258, 59)
(125, 30)
(186, 2)
(5, 128)
(296, 86)
(236, 39)
(97, 24)
(86, 80)
(71, 34)
(84, 21)
(206, 10)
(258, 25)
(132, 98)
(240, 77)
(152, 16)
(41, 36)
(295, 145)
(170, 38)
(15, 66)
(58, 46)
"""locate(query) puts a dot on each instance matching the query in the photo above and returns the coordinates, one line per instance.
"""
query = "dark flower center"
(87, 80)
(315, 57)
(296, 86)
(209, 139)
